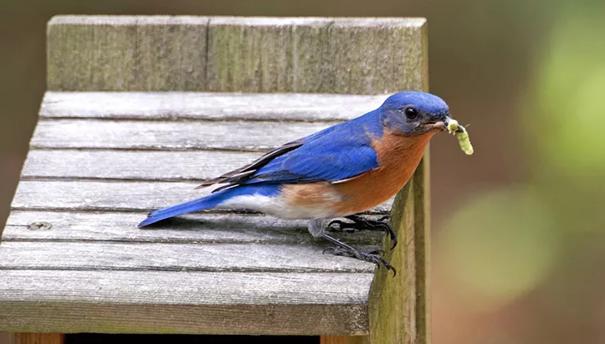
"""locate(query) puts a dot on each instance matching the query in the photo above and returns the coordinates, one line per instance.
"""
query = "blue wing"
(339, 152)
(328, 158)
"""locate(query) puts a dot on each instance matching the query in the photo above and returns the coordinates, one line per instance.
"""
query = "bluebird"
(337, 172)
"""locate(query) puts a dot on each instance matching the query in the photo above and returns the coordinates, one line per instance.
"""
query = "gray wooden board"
(209, 106)
(119, 52)
(197, 228)
(133, 165)
(184, 302)
(136, 256)
(190, 288)
(160, 135)
(321, 55)
(108, 195)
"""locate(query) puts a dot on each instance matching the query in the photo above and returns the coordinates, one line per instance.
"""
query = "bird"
(337, 172)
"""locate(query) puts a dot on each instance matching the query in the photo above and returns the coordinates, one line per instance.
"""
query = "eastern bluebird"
(337, 172)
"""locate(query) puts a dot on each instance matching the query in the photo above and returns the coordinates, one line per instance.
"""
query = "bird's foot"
(342, 249)
(357, 223)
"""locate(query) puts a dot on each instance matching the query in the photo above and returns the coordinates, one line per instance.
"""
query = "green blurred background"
(518, 228)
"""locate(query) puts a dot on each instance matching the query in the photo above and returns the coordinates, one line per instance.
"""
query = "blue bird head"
(413, 113)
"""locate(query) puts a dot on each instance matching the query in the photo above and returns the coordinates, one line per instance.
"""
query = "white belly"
(278, 207)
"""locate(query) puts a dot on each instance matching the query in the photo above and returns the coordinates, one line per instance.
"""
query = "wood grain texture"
(208, 106)
(422, 249)
(160, 135)
(160, 53)
(356, 55)
(378, 55)
(120, 53)
(188, 288)
(133, 165)
(226, 228)
(268, 54)
(184, 302)
(39, 338)
(249, 257)
(7, 338)
(108, 195)
(342, 339)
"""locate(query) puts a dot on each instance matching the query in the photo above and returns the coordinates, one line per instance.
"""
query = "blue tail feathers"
(207, 202)
(179, 209)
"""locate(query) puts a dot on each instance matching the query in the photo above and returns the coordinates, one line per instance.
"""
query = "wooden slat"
(208, 106)
(356, 55)
(7, 338)
(133, 165)
(190, 288)
(82, 195)
(203, 228)
(250, 257)
(422, 249)
(342, 340)
(108, 196)
(38, 338)
(98, 53)
(176, 302)
(318, 55)
(269, 54)
(378, 55)
(95, 134)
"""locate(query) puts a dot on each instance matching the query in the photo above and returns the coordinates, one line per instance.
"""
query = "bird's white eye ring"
(411, 112)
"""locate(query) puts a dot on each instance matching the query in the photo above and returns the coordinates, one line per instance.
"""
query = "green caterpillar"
(464, 141)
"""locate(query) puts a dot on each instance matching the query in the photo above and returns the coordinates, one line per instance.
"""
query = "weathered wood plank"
(378, 55)
(268, 54)
(208, 106)
(176, 302)
(355, 55)
(38, 338)
(107, 196)
(317, 55)
(202, 228)
(98, 53)
(133, 165)
(154, 135)
(422, 249)
(250, 257)
(99, 195)
(192, 288)
(342, 339)
(7, 338)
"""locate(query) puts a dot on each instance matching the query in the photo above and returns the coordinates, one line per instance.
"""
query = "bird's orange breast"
(398, 156)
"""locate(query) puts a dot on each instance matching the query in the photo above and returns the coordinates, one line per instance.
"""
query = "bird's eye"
(411, 112)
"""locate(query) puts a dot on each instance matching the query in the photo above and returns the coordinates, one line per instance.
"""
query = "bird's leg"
(342, 249)
(317, 229)
(360, 223)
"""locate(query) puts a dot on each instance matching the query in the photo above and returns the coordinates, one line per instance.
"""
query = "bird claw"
(341, 226)
(384, 218)
(371, 256)
(359, 223)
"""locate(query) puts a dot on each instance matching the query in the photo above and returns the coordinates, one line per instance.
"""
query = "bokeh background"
(519, 228)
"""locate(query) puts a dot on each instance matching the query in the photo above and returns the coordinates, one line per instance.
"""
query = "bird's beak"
(440, 124)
